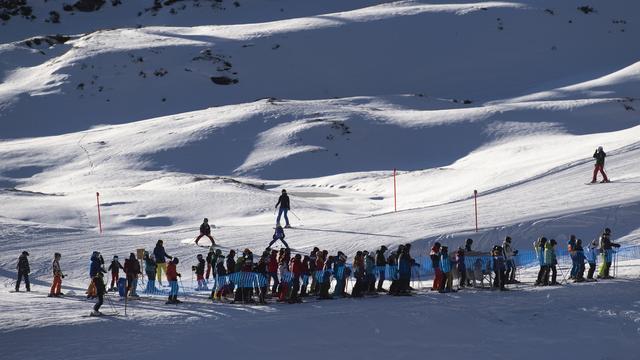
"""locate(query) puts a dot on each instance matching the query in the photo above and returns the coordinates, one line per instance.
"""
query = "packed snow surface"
(209, 109)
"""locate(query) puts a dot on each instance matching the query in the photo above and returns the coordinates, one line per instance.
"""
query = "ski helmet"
(205, 220)
(607, 231)
(175, 260)
(599, 148)
(25, 253)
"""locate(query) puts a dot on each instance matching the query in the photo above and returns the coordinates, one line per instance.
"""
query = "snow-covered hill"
(177, 110)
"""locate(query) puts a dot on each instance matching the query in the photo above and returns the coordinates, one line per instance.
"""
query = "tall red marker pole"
(475, 202)
(99, 218)
(395, 201)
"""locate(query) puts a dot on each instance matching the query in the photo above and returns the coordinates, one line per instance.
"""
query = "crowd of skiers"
(289, 277)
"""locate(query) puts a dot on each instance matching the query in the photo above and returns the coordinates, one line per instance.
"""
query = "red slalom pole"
(395, 201)
(475, 202)
(99, 218)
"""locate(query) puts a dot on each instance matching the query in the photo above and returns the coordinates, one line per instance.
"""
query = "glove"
(62, 276)
(179, 275)
(515, 252)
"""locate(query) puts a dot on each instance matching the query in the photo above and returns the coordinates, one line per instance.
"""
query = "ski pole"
(184, 293)
(294, 214)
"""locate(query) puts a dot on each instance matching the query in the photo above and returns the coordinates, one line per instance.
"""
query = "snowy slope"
(507, 98)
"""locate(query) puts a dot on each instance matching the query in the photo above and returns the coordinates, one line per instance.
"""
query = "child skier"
(132, 269)
(172, 278)
(539, 246)
(579, 258)
(221, 276)
(446, 285)
(359, 274)
(381, 264)
(211, 261)
(550, 262)
(205, 230)
(278, 235)
(57, 276)
(23, 271)
(592, 255)
(295, 268)
(272, 270)
(606, 248)
(435, 263)
(115, 272)
(462, 268)
(199, 270)
(150, 269)
(499, 267)
(98, 282)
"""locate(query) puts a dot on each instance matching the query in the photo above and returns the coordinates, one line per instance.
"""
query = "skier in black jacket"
(599, 155)
(205, 230)
(23, 271)
(381, 263)
(285, 206)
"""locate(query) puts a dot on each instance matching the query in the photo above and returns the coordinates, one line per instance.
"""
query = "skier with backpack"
(98, 282)
(57, 276)
(23, 271)
(599, 155)
(114, 267)
(95, 267)
(205, 230)
(285, 206)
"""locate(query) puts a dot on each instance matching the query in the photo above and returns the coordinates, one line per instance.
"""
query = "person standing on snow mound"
(599, 155)
(285, 206)
(205, 230)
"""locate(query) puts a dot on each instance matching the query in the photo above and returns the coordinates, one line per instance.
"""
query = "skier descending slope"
(278, 235)
(205, 230)
(599, 155)
(285, 206)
